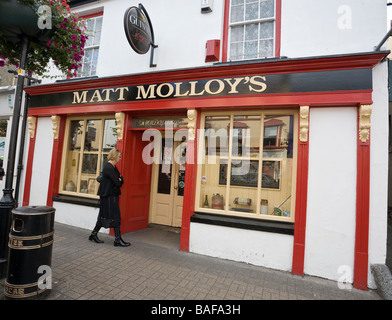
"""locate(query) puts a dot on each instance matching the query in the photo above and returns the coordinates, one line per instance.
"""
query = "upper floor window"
(252, 28)
(91, 48)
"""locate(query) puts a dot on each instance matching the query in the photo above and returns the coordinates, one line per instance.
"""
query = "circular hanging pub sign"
(138, 30)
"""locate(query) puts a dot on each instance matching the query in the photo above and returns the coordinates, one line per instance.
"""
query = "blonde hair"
(114, 154)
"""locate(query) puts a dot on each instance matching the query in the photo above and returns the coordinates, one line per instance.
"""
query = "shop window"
(91, 48)
(247, 165)
(252, 29)
(87, 144)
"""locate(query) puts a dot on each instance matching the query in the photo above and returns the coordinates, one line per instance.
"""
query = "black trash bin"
(30, 253)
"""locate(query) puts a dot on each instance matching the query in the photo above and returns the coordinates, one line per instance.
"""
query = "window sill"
(243, 223)
(89, 202)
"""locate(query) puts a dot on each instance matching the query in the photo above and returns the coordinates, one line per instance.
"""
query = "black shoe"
(94, 237)
(118, 242)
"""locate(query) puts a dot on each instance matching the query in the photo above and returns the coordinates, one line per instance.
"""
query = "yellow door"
(168, 183)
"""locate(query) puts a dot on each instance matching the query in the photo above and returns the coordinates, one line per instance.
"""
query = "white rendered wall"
(330, 218)
(319, 27)
(378, 169)
(271, 250)
(308, 28)
(41, 162)
(77, 216)
(180, 29)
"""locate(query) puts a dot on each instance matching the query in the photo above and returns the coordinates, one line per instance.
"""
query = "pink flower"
(73, 37)
(2, 63)
(48, 43)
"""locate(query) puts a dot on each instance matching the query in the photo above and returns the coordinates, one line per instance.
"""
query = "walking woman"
(109, 190)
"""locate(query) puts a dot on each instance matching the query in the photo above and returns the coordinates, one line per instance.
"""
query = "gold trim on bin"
(17, 242)
(18, 290)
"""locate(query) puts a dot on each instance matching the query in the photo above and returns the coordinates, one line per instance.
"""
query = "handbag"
(99, 178)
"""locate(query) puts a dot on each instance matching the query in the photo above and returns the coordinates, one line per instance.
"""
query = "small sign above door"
(161, 122)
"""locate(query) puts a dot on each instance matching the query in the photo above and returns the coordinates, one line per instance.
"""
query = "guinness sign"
(138, 29)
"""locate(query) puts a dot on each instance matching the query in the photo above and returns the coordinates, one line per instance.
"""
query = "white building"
(298, 90)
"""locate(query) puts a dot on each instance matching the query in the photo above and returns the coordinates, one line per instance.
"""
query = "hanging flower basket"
(63, 42)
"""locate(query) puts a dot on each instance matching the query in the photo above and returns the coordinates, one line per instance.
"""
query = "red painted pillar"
(30, 156)
(57, 151)
(301, 193)
(362, 204)
(190, 178)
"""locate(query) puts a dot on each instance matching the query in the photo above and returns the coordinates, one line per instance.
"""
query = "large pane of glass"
(244, 172)
(93, 134)
(237, 34)
(250, 50)
(267, 9)
(267, 30)
(237, 13)
(216, 145)
(246, 136)
(73, 155)
(109, 135)
(252, 11)
(92, 144)
(277, 165)
(181, 169)
(165, 168)
(237, 51)
(266, 48)
(243, 185)
(97, 31)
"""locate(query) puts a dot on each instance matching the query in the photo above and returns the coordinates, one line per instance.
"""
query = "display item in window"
(264, 206)
(217, 201)
(70, 186)
(109, 191)
(277, 210)
(206, 204)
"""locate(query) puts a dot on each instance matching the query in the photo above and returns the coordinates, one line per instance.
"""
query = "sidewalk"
(153, 268)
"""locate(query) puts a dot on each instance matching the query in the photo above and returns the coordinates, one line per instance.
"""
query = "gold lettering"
(121, 95)
(79, 98)
(178, 88)
(262, 85)
(97, 96)
(151, 90)
(233, 86)
(193, 89)
(107, 97)
(159, 92)
(208, 84)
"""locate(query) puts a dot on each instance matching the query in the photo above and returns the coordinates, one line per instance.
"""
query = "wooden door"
(135, 198)
(168, 183)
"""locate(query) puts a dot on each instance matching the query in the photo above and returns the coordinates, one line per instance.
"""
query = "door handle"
(175, 179)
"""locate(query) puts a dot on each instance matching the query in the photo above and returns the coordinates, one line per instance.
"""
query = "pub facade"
(261, 141)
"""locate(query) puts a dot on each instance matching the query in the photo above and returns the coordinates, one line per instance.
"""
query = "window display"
(247, 165)
(86, 148)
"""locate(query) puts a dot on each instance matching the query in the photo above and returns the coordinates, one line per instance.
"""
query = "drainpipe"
(383, 40)
(21, 146)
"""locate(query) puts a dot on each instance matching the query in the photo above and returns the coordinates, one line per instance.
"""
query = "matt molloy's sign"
(227, 86)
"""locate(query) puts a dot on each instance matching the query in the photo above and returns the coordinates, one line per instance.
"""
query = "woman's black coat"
(111, 181)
